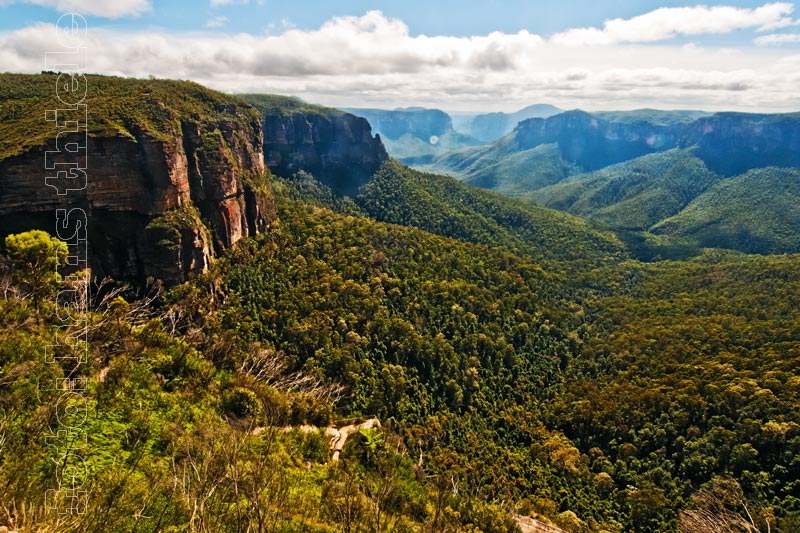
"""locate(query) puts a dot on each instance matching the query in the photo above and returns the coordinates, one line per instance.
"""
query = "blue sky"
(459, 55)
(440, 17)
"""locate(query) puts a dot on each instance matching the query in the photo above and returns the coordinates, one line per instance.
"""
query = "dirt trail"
(531, 525)
(338, 435)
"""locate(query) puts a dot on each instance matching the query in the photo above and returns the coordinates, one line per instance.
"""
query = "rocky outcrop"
(338, 149)
(160, 206)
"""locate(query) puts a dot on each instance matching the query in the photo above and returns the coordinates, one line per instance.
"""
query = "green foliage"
(277, 105)
(503, 167)
(303, 186)
(753, 213)
(689, 371)
(35, 257)
(633, 195)
(441, 205)
(168, 230)
(115, 106)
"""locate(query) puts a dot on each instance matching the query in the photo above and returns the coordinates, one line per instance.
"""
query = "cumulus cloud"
(100, 8)
(376, 60)
(668, 22)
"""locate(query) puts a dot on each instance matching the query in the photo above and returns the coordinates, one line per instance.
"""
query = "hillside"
(442, 205)
(757, 212)
(505, 168)
(674, 195)
(630, 171)
(633, 195)
(497, 374)
(728, 143)
(439, 204)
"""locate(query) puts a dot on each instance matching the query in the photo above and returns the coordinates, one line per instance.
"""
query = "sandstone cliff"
(337, 148)
(728, 143)
(175, 173)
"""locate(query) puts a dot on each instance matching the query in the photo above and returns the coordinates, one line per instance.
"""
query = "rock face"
(733, 143)
(729, 143)
(337, 149)
(160, 207)
(592, 142)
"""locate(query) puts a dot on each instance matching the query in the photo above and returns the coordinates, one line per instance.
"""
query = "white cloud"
(778, 39)
(217, 22)
(374, 60)
(100, 8)
(668, 22)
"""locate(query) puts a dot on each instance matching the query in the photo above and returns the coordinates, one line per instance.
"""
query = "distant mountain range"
(636, 170)
(416, 134)
(489, 127)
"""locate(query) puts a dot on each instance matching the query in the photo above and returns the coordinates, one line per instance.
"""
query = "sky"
(458, 55)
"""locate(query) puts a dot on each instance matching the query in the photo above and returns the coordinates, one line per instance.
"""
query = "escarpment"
(337, 148)
(175, 173)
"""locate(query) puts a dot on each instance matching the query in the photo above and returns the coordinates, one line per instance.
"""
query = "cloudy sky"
(459, 55)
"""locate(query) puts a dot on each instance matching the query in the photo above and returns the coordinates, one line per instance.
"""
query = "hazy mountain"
(488, 127)
(414, 132)
(630, 170)
(653, 116)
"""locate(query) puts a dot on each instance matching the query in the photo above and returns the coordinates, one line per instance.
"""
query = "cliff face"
(336, 148)
(728, 143)
(733, 143)
(594, 143)
(161, 200)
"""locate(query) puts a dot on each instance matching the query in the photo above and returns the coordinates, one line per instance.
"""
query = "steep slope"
(336, 147)
(633, 195)
(444, 206)
(175, 171)
(505, 167)
(577, 141)
(757, 212)
(733, 143)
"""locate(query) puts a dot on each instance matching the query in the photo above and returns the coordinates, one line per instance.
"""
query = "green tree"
(34, 257)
